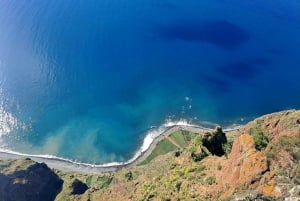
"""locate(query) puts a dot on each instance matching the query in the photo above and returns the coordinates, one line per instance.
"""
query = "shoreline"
(67, 165)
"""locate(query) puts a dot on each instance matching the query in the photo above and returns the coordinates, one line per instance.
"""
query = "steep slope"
(25, 180)
(263, 165)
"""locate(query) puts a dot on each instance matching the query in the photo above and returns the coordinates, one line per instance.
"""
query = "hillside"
(260, 161)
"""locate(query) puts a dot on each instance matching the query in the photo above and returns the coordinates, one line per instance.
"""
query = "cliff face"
(264, 160)
(245, 165)
(25, 180)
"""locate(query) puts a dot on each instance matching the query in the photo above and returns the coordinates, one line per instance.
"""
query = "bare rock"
(245, 165)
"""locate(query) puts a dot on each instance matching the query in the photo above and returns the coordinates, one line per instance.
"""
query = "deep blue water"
(85, 80)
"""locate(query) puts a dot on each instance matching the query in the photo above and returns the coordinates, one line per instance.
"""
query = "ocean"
(88, 80)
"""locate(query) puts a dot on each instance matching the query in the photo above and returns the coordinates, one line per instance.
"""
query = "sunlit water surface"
(86, 80)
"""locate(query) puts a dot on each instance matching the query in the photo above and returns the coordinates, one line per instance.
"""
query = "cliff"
(25, 180)
(260, 161)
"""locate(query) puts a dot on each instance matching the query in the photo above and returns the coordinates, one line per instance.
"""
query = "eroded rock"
(245, 164)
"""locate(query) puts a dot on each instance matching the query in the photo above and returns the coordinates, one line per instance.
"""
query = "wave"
(152, 134)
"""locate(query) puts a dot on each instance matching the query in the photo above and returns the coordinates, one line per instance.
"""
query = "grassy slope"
(181, 138)
(8, 167)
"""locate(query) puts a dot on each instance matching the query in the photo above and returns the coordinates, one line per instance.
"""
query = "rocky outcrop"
(214, 141)
(78, 187)
(278, 124)
(25, 180)
(266, 157)
(245, 165)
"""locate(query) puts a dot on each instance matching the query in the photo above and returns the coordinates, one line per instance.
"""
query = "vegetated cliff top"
(260, 161)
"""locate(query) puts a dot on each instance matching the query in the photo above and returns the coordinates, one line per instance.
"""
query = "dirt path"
(173, 142)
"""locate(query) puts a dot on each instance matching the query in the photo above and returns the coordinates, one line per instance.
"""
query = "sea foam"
(152, 134)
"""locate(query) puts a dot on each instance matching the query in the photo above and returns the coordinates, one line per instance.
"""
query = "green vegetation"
(227, 147)
(104, 181)
(89, 181)
(196, 144)
(289, 144)
(181, 138)
(129, 176)
(261, 141)
(193, 168)
(219, 167)
(99, 182)
(210, 180)
(198, 156)
(8, 167)
(162, 147)
(188, 136)
(175, 184)
(212, 143)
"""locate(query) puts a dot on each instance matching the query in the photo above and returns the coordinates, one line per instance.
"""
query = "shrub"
(261, 141)
(178, 186)
(189, 169)
(198, 156)
(227, 147)
(128, 176)
(200, 168)
(177, 153)
(296, 155)
(198, 140)
(210, 180)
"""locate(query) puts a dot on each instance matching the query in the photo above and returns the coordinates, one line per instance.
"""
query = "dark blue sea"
(85, 80)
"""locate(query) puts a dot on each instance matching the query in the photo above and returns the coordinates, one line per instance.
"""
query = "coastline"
(72, 166)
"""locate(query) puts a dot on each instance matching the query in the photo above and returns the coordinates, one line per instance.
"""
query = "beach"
(72, 166)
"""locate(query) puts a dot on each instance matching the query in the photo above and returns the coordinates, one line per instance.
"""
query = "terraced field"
(174, 142)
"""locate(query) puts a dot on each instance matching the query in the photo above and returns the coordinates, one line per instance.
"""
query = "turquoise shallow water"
(86, 80)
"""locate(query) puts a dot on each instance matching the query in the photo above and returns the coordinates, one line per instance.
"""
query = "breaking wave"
(150, 137)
